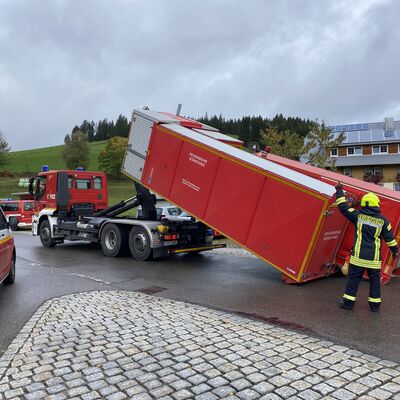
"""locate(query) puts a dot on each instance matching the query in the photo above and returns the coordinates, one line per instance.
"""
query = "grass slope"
(30, 161)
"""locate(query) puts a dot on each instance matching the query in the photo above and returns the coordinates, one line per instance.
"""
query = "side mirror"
(13, 223)
(30, 187)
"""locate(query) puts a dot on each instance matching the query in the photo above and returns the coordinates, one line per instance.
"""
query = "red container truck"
(285, 217)
(72, 205)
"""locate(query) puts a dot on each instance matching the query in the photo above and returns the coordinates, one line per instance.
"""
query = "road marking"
(88, 277)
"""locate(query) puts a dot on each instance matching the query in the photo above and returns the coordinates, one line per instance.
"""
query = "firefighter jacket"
(369, 227)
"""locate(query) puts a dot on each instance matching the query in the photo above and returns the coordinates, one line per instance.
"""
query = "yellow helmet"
(370, 200)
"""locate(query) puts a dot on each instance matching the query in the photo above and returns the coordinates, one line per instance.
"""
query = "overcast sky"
(63, 61)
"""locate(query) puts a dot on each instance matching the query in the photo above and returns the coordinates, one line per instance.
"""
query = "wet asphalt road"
(235, 284)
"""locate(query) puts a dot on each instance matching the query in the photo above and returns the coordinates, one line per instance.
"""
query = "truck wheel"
(113, 240)
(139, 244)
(45, 234)
(11, 276)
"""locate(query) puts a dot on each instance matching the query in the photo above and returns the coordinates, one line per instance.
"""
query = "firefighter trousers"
(354, 279)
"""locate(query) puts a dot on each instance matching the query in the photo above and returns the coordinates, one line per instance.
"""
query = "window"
(376, 170)
(10, 207)
(174, 211)
(42, 184)
(28, 206)
(83, 184)
(396, 186)
(368, 171)
(354, 151)
(334, 152)
(380, 149)
(70, 182)
(347, 171)
(97, 182)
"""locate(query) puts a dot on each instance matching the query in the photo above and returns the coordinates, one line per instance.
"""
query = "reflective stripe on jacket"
(369, 227)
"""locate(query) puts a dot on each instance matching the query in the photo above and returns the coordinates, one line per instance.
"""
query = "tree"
(4, 149)
(286, 144)
(111, 157)
(318, 143)
(88, 129)
(121, 127)
(104, 129)
(76, 150)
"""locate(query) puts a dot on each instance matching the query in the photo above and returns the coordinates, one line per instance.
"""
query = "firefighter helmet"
(370, 200)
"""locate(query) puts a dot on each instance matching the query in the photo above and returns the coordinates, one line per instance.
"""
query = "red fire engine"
(18, 212)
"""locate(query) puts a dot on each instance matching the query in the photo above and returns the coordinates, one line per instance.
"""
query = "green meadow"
(31, 161)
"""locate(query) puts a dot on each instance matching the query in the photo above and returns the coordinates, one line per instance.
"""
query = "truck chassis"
(118, 235)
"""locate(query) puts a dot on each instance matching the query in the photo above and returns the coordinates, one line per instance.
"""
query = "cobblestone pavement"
(118, 345)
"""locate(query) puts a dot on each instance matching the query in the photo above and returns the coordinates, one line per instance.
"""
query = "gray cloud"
(64, 61)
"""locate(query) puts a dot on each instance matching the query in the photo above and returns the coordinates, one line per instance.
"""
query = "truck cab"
(73, 192)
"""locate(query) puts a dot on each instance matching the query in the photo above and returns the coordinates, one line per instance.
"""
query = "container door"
(323, 259)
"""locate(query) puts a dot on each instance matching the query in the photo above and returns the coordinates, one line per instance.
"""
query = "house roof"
(376, 159)
(374, 132)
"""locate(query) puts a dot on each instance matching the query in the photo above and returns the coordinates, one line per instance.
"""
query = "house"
(370, 151)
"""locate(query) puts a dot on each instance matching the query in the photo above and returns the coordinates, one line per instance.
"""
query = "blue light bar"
(80, 169)
(45, 168)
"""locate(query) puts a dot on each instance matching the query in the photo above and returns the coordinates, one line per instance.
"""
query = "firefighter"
(370, 226)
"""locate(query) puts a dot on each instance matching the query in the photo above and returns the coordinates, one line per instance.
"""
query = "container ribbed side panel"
(138, 143)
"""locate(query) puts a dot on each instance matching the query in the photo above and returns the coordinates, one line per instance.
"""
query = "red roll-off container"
(286, 218)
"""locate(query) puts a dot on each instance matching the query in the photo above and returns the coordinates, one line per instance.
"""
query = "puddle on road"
(151, 289)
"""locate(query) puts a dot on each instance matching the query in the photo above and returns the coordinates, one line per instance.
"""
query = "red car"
(18, 212)
(7, 252)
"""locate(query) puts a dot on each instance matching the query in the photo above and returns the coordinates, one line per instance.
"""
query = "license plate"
(171, 243)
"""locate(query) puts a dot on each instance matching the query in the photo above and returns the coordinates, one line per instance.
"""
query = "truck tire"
(11, 276)
(113, 240)
(139, 244)
(45, 234)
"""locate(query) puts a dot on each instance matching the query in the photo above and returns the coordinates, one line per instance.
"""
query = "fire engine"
(72, 205)
(19, 212)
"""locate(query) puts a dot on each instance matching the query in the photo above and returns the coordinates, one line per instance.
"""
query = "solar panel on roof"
(376, 135)
(365, 136)
(352, 137)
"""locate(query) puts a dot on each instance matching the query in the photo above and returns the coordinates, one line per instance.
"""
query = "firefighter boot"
(346, 304)
(374, 307)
